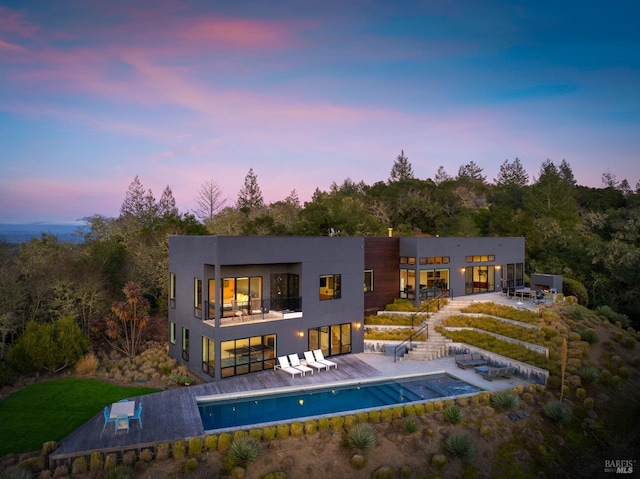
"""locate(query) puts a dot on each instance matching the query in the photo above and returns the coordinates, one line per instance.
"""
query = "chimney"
(390, 232)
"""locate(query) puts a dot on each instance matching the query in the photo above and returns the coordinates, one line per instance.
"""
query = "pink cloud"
(14, 23)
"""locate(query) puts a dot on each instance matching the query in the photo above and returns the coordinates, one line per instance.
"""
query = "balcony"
(242, 312)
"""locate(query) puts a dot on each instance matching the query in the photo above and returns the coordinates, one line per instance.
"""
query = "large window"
(433, 281)
(185, 344)
(407, 283)
(208, 356)
(479, 279)
(368, 281)
(332, 340)
(434, 260)
(247, 355)
(330, 287)
(241, 296)
(513, 275)
(172, 290)
(197, 297)
(211, 310)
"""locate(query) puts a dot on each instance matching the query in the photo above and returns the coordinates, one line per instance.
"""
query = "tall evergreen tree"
(167, 204)
(401, 170)
(512, 174)
(250, 196)
(441, 176)
(472, 172)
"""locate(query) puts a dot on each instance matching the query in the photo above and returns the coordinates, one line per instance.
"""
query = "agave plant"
(460, 445)
(15, 472)
(589, 374)
(453, 414)
(242, 450)
(361, 436)
(556, 411)
(505, 399)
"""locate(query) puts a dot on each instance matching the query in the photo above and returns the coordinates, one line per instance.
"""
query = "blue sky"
(305, 93)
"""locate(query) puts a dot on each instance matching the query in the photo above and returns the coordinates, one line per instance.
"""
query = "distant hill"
(21, 233)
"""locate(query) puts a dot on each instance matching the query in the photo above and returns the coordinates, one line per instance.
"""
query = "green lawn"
(51, 410)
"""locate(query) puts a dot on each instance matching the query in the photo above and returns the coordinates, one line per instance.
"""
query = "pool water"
(266, 408)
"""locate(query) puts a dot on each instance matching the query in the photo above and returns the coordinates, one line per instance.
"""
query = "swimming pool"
(263, 408)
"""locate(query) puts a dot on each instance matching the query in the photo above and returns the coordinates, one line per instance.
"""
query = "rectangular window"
(438, 260)
(332, 340)
(479, 258)
(172, 290)
(408, 284)
(368, 281)
(197, 297)
(245, 355)
(208, 357)
(211, 310)
(172, 332)
(185, 344)
(330, 287)
(411, 260)
(242, 296)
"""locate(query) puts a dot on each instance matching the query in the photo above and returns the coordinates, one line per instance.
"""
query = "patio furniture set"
(476, 361)
(313, 360)
(121, 414)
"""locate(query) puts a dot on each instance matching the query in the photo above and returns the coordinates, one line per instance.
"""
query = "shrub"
(375, 416)
(410, 425)
(120, 472)
(190, 464)
(439, 461)
(387, 415)
(528, 398)
(195, 446)
(337, 422)
(146, 455)
(87, 365)
(438, 405)
(589, 335)
(615, 381)
(429, 408)
(505, 400)
(268, 433)
(588, 404)
(16, 472)
(486, 431)
(628, 342)
(61, 471)
(162, 451)
(323, 424)
(419, 409)
(96, 461)
(453, 414)
(605, 376)
(589, 374)
(556, 411)
(310, 427)
(297, 429)
(282, 431)
(409, 410)
(78, 466)
(361, 436)
(242, 451)
(110, 461)
(7, 376)
(179, 449)
(571, 287)
(358, 461)
(224, 440)
(383, 472)
(349, 421)
(460, 445)
(211, 442)
(129, 458)
(48, 447)
(581, 393)
(256, 434)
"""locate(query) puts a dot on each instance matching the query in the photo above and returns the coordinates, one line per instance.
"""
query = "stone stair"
(436, 345)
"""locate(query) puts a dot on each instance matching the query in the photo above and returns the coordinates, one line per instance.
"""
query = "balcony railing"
(256, 309)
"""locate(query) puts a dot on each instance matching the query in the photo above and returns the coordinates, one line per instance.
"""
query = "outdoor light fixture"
(301, 334)
(462, 270)
(358, 325)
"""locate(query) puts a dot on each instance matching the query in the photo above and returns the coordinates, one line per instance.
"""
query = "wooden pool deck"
(171, 415)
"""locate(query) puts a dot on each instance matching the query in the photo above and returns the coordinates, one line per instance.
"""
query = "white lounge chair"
(286, 367)
(311, 361)
(294, 360)
(320, 358)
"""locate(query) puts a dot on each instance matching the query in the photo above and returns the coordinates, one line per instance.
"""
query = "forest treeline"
(590, 235)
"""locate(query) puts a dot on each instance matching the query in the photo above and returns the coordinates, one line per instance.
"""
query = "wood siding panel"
(382, 256)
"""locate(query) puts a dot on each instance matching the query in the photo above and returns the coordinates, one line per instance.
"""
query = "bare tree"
(209, 201)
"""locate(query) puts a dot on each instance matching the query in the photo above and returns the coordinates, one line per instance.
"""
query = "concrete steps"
(436, 345)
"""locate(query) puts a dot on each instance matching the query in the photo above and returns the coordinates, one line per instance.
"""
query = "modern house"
(237, 303)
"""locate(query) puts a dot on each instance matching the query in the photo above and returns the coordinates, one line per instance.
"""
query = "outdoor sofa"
(465, 361)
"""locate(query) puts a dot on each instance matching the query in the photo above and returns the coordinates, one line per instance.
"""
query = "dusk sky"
(93, 93)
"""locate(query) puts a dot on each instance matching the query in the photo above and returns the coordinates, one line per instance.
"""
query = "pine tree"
(250, 196)
(401, 170)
